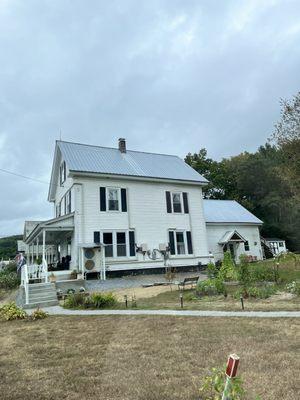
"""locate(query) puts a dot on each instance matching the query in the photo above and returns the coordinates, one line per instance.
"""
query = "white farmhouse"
(118, 210)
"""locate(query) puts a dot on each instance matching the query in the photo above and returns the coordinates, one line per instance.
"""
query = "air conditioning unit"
(144, 247)
(89, 259)
(162, 246)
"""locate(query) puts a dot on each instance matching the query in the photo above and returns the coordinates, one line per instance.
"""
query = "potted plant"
(74, 274)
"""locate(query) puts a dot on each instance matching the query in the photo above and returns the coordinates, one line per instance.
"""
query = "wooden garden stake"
(231, 370)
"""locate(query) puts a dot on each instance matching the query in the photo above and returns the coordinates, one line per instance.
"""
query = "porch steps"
(42, 295)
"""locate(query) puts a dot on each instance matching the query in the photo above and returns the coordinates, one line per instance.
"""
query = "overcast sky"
(169, 76)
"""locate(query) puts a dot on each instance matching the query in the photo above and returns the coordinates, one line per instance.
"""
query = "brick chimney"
(122, 145)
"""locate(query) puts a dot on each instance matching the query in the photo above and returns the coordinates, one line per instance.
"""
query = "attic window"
(62, 172)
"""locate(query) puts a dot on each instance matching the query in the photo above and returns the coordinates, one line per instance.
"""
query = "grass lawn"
(151, 358)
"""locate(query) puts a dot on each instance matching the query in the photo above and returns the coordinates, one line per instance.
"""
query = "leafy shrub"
(255, 292)
(210, 287)
(75, 300)
(293, 287)
(9, 280)
(190, 296)
(214, 384)
(212, 270)
(39, 314)
(243, 274)
(10, 267)
(227, 271)
(11, 311)
(261, 273)
(101, 300)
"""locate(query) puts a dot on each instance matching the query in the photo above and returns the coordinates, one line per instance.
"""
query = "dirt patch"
(141, 292)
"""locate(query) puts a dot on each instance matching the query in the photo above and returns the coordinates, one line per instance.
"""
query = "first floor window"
(121, 244)
(280, 244)
(246, 245)
(117, 243)
(108, 241)
(113, 199)
(180, 243)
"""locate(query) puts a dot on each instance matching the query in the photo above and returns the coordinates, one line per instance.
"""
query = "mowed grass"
(151, 358)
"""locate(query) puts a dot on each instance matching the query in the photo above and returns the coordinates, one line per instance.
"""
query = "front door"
(232, 250)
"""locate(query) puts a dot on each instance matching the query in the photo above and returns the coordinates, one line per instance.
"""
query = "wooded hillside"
(8, 246)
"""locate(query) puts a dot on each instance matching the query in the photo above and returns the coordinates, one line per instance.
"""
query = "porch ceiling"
(56, 230)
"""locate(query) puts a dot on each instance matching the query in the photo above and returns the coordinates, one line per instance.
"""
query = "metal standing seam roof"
(226, 211)
(105, 160)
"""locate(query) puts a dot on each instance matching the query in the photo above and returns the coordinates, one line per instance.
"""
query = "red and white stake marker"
(231, 370)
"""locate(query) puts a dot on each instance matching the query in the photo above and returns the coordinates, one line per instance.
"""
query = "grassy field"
(151, 358)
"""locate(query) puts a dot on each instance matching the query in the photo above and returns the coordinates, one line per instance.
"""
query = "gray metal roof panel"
(105, 160)
(226, 211)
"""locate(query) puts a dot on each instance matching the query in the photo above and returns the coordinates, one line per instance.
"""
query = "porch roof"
(57, 226)
(231, 236)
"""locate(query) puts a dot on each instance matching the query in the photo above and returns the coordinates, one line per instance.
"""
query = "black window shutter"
(102, 199)
(65, 171)
(131, 244)
(189, 242)
(96, 237)
(168, 200)
(185, 202)
(124, 200)
(171, 242)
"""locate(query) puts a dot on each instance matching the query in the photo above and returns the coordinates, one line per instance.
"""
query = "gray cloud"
(170, 76)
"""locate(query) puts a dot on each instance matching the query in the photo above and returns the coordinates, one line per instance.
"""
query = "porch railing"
(32, 273)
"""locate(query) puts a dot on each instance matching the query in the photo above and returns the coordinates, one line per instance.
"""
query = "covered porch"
(51, 246)
(233, 241)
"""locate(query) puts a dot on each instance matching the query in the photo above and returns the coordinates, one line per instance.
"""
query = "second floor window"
(177, 202)
(113, 199)
(176, 197)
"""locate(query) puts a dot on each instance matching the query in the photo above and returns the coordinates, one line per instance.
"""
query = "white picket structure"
(33, 272)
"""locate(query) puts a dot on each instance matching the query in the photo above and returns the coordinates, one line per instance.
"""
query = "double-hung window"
(246, 246)
(121, 244)
(176, 200)
(108, 241)
(62, 172)
(118, 244)
(68, 202)
(180, 242)
(113, 199)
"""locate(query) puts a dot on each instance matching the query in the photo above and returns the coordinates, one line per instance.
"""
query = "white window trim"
(114, 244)
(185, 244)
(119, 199)
(181, 202)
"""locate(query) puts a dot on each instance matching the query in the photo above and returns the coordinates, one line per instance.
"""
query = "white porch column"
(44, 256)
(37, 248)
(32, 253)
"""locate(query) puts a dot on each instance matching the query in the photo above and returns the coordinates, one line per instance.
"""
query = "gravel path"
(57, 310)
(135, 281)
